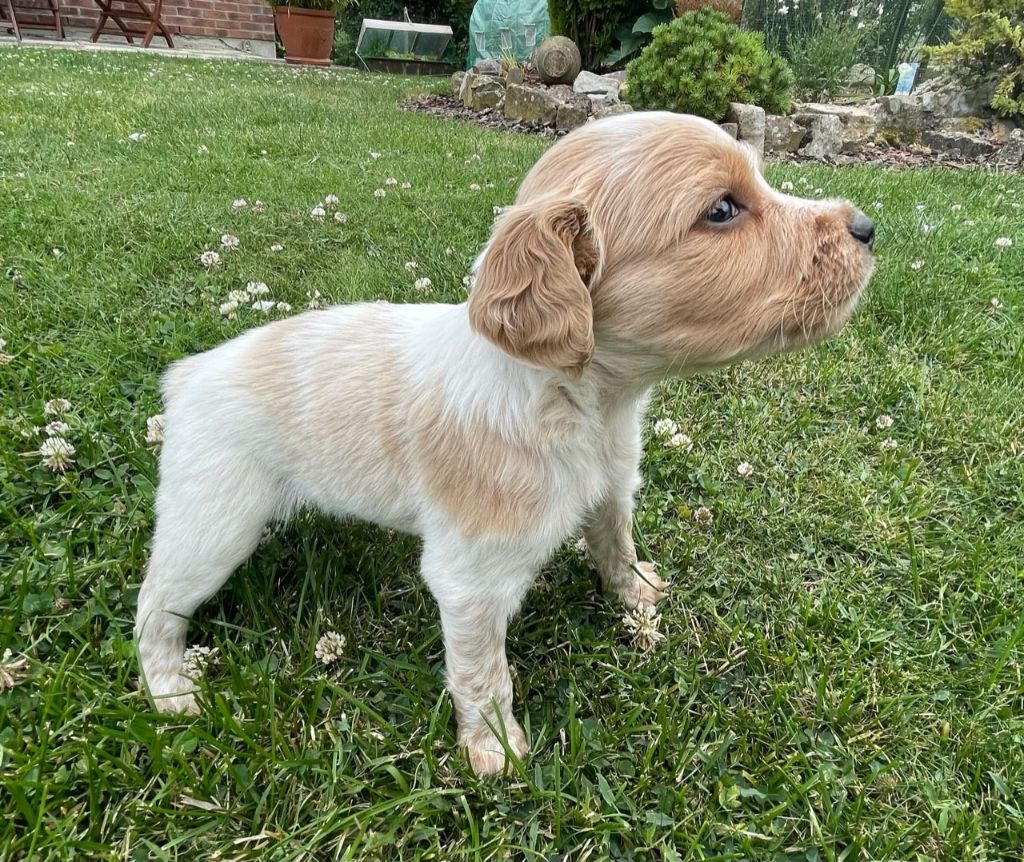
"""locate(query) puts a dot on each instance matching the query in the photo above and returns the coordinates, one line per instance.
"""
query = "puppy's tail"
(175, 377)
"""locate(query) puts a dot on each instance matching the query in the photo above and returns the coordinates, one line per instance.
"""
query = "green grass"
(842, 677)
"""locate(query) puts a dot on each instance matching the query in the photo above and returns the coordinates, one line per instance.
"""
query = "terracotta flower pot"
(307, 34)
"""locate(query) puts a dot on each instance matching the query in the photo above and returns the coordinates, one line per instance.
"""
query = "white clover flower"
(238, 203)
(474, 187)
(209, 259)
(703, 517)
(469, 281)
(956, 208)
(995, 304)
(263, 305)
(448, 251)
(644, 621)
(57, 428)
(927, 228)
(423, 284)
(331, 200)
(5, 358)
(228, 309)
(406, 185)
(275, 248)
(916, 265)
(238, 296)
(878, 205)
(198, 660)
(155, 429)
(314, 299)
(884, 421)
(57, 454)
(374, 155)
(202, 150)
(679, 441)
(666, 428)
(411, 266)
(1004, 242)
(56, 252)
(57, 407)
(919, 208)
(391, 181)
(581, 547)
(317, 213)
(137, 136)
(258, 206)
(744, 470)
(256, 288)
(969, 222)
(888, 444)
(787, 186)
(379, 193)
(12, 670)
(340, 217)
(330, 647)
(284, 306)
(228, 241)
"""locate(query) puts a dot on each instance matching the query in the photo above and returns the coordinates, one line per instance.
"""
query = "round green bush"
(700, 62)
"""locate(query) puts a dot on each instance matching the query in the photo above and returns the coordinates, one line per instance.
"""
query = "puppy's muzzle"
(862, 229)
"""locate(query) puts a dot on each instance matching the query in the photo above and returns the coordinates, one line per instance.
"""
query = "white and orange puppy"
(639, 247)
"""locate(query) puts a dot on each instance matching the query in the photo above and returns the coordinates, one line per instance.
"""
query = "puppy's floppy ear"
(531, 296)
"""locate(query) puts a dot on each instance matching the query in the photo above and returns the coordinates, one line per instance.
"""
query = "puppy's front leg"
(609, 535)
(476, 601)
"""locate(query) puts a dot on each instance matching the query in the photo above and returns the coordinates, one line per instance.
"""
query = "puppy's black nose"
(862, 229)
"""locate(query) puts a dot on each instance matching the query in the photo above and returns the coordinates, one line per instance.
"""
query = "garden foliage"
(700, 62)
(988, 42)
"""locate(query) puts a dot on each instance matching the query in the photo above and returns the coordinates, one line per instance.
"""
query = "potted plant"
(307, 29)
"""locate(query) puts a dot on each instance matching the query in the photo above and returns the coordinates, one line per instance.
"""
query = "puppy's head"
(652, 242)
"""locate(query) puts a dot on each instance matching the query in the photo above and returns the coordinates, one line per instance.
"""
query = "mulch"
(449, 107)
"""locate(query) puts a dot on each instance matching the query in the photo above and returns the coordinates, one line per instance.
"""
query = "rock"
(587, 83)
(750, 121)
(487, 67)
(1012, 152)
(966, 126)
(572, 114)
(783, 135)
(611, 109)
(946, 96)
(861, 78)
(731, 129)
(514, 75)
(826, 135)
(530, 104)
(859, 123)
(619, 76)
(558, 60)
(969, 146)
(457, 80)
(901, 119)
(482, 93)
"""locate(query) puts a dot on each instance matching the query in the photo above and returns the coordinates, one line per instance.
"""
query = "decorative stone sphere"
(558, 60)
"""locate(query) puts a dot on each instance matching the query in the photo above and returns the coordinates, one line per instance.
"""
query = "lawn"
(843, 671)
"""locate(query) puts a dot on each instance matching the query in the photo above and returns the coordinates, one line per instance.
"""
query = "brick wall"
(226, 19)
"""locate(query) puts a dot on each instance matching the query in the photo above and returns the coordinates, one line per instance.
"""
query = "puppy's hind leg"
(208, 523)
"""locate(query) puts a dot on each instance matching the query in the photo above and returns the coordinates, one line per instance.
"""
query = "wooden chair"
(133, 18)
(44, 15)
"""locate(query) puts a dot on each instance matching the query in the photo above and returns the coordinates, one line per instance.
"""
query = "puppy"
(639, 247)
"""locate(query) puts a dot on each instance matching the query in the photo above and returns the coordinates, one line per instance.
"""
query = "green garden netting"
(498, 28)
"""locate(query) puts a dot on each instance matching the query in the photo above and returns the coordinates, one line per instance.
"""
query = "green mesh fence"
(498, 28)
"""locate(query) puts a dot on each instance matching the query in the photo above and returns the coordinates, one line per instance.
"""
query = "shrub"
(591, 24)
(821, 60)
(988, 42)
(700, 62)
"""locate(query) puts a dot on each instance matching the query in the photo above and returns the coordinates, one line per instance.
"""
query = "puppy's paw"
(486, 753)
(646, 589)
(175, 695)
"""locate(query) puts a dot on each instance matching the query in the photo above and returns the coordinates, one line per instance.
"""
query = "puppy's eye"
(724, 211)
